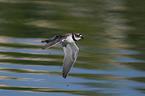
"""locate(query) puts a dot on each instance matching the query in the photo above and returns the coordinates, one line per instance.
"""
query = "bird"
(67, 40)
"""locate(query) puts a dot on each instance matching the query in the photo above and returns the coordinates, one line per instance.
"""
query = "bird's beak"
(82, 37)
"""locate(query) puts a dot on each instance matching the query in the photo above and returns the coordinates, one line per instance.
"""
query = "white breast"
(69, 39)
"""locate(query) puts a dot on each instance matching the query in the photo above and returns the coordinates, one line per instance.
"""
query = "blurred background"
(111, 60)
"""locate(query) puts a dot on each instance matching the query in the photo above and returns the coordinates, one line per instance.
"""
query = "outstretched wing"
(71, 51)
(53, 41)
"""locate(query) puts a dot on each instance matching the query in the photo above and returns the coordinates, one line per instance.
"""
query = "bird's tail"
(45, 41)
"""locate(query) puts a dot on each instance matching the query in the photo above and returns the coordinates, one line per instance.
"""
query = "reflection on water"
(111, 59)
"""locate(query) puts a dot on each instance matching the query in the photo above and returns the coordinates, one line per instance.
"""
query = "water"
(111, 59)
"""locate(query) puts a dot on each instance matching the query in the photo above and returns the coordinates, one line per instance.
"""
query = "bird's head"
(77, 36)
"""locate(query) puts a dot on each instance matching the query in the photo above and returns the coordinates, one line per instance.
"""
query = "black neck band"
(73, 37)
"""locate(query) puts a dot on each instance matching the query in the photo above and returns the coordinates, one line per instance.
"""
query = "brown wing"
(53, 41)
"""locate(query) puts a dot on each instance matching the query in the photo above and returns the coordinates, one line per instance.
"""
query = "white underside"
(69, 39)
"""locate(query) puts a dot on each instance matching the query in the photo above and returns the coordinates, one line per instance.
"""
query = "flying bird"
(71, 50)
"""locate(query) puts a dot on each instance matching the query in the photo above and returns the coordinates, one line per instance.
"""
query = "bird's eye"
(80, 34)
(77, 35)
